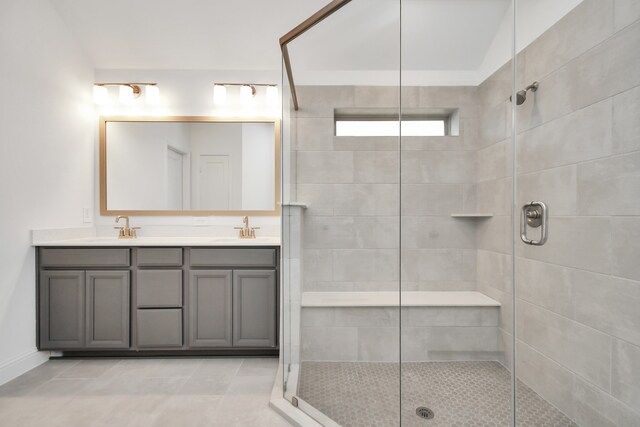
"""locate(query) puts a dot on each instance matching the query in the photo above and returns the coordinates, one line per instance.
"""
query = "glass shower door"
(341, 225)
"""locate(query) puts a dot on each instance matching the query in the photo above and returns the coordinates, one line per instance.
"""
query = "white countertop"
(162, 241)
(391, 299)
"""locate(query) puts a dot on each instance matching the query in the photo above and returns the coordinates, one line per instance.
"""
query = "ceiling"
(243, 34)
(184, 34)
(437, 36)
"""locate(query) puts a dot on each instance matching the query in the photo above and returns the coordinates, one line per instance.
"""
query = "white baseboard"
(21, 364)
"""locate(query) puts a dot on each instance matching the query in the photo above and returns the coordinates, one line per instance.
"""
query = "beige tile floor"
(143, 392)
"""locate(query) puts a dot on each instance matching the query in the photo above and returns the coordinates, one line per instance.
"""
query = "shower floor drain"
(424, 412)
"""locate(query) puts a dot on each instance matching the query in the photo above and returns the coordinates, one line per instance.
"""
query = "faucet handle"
(120, 232)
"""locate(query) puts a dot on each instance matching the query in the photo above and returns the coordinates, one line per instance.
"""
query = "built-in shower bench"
(365, 326)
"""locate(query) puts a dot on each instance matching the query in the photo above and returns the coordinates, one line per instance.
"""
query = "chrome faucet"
(247, 232)
(126, 232)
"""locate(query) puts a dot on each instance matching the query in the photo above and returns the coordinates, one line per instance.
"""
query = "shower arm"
(300, 29)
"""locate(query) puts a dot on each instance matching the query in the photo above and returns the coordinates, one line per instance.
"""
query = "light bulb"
(219, 94)
(152, 94)
(246, 93)
(100, 94)
(126, 94)
(272, 95)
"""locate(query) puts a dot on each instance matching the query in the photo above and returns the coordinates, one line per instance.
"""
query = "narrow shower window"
(349, 126)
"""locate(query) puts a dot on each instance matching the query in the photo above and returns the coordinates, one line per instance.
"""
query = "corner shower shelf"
(472, 215)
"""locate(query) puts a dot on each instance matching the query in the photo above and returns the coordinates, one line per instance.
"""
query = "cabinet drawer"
(159, 288)
(156, 257)
(159, 328)
(233, 257)
(103, 257)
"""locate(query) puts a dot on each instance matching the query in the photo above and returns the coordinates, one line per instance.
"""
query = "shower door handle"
(534, 214)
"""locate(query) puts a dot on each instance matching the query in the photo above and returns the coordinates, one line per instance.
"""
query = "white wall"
(47, 158)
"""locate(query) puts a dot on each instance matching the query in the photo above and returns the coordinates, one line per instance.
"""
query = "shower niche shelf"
(478, 215)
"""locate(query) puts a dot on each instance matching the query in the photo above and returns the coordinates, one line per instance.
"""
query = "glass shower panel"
(577, 324)
(341, 222)
(456, 217)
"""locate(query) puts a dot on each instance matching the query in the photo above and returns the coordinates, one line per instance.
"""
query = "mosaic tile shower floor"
(461, 394)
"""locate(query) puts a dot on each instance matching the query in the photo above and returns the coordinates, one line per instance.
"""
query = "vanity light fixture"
(127, 92)
(272, 95)
(248, 92)
(219, 94)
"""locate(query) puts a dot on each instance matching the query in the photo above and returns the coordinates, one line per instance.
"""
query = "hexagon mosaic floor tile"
(460, 394)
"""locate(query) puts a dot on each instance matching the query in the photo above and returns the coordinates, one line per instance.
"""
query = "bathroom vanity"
(142, 297)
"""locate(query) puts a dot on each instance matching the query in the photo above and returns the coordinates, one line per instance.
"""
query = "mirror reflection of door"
(175, 179)
(214, 182)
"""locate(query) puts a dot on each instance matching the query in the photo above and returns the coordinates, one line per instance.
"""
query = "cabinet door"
(108, 308)
(254, 308)
(210, 308)
(61, 310)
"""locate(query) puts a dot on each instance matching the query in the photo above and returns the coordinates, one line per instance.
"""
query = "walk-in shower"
(484, 273)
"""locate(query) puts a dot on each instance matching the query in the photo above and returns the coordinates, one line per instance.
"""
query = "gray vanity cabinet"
(107, 309)
(84, 309)
(254, 308)
(62, 295)
(158, 300)
(210, 308)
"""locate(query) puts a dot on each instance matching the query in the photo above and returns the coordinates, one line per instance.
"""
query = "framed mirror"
(189, 166)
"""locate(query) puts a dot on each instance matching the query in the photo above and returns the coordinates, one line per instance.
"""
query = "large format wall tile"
(595, 408)
(580, 348)
(556, 187)
(580, 242)
(545, 377)
(366, 199)
(421, 167)
(608, 304)
(626, 247)
(437, 232)
(626, 371)
(494, 269)
(431, 199)
(547, 285)
(381, 167)
(325, 167)
(608, 186)
(626, 126)
(313, 134)
(320, 101)
(583, 135)
(626, 12)
(365, 264)
(588, 24)
(322, 343)
(608, 69)
(494, 161)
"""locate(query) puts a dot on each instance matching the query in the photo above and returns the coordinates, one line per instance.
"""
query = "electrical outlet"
(87, 215)
(200, 220)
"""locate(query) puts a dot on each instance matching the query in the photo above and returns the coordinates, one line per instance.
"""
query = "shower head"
(521, 95)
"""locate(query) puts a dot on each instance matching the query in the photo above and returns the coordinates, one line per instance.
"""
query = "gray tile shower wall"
(578, 150)
(351, 186)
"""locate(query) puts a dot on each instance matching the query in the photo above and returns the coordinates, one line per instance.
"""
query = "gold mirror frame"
(197, 119)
